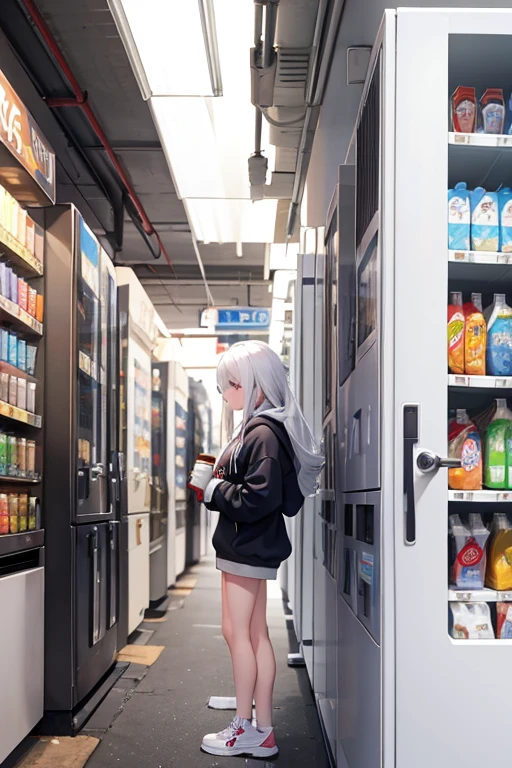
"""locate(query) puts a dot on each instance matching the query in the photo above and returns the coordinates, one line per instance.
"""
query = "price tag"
(461, 138)
(504, 496)
(501, 383)
(460, 256)
(505, 141)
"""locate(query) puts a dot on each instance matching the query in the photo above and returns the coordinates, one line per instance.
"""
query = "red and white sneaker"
(241, 738)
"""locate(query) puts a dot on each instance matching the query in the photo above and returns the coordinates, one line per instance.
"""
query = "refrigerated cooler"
(138, 339)
(417, 655)
(159, 488)
(177, 470)
(82, 469)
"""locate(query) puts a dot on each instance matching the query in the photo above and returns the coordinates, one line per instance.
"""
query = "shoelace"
(232, 728)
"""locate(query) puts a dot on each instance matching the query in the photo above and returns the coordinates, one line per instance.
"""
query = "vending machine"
(177, 469)
(423, 526)
(138, 339)
(159, 489)
(82, 469)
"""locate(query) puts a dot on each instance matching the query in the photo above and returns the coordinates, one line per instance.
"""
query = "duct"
(319, 83)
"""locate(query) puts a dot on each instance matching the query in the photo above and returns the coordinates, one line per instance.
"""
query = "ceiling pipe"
(80, 100)
(316, 90)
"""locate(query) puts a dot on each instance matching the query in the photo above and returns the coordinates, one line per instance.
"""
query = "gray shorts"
(251, 571)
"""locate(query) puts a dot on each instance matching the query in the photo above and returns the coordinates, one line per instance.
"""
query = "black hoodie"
(253, 497)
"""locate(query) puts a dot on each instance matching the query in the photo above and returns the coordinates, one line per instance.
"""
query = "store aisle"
(162, 723)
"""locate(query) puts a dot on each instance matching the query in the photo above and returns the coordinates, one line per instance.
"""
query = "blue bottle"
(485, 230)
(499, 338)
(459, 218)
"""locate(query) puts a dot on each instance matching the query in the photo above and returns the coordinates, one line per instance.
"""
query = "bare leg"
(238, 601)
(265, 659)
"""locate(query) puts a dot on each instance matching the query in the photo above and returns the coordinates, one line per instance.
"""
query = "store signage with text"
(22, 137)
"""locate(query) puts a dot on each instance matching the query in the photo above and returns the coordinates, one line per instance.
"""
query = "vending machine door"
(92, 398)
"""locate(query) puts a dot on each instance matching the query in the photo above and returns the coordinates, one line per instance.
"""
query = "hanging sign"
(236, 318)
(25, 141)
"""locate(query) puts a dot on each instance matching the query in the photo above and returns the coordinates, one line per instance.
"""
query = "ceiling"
(86, 34)
(88, 37)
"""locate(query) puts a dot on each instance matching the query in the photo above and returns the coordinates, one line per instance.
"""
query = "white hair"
(258, 369)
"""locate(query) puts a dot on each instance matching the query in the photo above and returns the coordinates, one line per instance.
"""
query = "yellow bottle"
(499, 559)
(475, 336)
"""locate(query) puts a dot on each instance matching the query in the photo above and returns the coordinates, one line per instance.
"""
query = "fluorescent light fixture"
(283, 256)
(206, 140)
(232, 221)
(171, 44)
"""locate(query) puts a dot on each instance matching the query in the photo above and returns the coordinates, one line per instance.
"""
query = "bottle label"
(470, 555)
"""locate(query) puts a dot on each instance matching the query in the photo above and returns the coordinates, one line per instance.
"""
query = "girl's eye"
(234, 385)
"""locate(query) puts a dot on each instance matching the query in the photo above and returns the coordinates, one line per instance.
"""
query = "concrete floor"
(160, 717)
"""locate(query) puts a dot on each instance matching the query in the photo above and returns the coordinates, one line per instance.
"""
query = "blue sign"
(243, 317)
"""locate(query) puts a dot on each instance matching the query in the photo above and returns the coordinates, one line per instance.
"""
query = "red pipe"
(81, 101)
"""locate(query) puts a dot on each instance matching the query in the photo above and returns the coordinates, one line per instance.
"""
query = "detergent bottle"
(499, 338)
(464, 443)
(456, 333)
(475, 336)
(497, 459)
(499, 558)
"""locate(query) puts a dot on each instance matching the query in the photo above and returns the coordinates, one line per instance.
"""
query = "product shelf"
(480, 140)
(17, 414)
(13, 371)
(16, 542)
(19, 319)
(19, 256)
(479, 382)
(481, 497)
(479, 257)
(20, 480)
(478, 596)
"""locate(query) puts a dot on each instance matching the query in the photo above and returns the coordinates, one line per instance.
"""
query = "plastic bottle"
(499, 558)
(459, 218)
(464, 443)
(499, 337)
(456, 333)
(485, 230)
(469, 544)
(475, 336)
(496, 447)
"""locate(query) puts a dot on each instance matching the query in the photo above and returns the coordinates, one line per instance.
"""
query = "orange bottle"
(456, 334)
(475, 336)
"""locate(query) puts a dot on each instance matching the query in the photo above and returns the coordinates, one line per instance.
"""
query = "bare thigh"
(240, 597)
(258, 627)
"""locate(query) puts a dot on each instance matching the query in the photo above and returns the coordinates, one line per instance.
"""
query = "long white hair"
(255, 366)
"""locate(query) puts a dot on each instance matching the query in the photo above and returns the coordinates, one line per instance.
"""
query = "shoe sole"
(248, 752)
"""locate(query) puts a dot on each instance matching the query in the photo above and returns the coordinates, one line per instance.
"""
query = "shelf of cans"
(21, 239)
(19, 512)
(17, 459)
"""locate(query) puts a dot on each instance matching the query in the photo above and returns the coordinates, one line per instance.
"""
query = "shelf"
(480, 140)
(478, 596)
(18, 318)
(479, 382)
(19, 256)
(480, 257)
(17, 414)
(481, 497)
(17, 542)
(20, 480)
(13, 371)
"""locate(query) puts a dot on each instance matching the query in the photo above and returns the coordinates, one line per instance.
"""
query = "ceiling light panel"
(168, 36)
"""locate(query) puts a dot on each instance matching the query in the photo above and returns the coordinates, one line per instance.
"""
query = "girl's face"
(234, 395)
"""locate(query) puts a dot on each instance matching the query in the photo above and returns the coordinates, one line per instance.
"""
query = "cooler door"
(94, 567)
(91, 482)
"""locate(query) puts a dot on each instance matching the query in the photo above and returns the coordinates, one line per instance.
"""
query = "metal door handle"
(98, 470)
(410, 439)
(428, 461)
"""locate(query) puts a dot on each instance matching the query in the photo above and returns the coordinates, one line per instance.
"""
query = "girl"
(265, 472)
